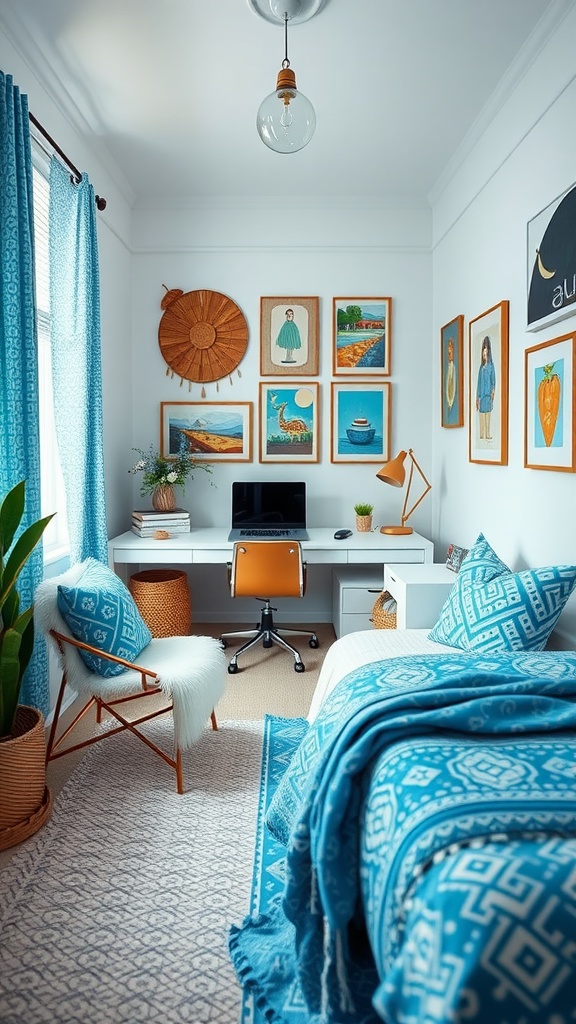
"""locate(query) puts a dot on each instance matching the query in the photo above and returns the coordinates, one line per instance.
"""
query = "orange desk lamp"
(394, 473)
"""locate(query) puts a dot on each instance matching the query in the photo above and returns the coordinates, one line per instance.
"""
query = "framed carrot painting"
(362, 330)
(549, 391)
(452, 373)
(289, 422)
(488, 386)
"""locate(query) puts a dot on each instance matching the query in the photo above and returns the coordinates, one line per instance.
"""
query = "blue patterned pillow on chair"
(99, 610)
(491, 608)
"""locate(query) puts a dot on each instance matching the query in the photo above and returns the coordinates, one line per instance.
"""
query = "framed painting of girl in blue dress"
(451, 373)
(488, 386)
(288, 336)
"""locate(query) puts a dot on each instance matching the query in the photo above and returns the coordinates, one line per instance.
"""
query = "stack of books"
(145, 522)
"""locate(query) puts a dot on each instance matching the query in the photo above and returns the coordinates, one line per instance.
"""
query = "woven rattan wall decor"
(202, 335)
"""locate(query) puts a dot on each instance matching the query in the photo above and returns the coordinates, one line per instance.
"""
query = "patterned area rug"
(118, 910)
(281, 737)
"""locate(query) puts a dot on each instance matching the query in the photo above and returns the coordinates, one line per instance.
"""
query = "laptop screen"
(268, 504)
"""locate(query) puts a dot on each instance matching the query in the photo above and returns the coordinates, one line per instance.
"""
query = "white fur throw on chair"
(191, 670)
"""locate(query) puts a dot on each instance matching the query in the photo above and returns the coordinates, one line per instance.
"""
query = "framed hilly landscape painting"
(361, 336)
(214, 431)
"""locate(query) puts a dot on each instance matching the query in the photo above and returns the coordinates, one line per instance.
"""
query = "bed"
(429, 819)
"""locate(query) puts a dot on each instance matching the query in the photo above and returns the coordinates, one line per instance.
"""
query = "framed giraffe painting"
(289, 422)
(289, 336)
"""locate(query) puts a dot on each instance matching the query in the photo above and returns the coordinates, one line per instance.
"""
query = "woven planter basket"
(163, 600)
(384, 611)
(25, 802)
(363, 524)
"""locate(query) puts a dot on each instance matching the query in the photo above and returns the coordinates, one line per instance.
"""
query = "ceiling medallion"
(202, 335)
(297, 10)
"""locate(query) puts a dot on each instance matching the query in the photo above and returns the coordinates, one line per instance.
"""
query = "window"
(53, 499)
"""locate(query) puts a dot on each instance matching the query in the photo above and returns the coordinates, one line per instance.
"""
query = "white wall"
(526, 157)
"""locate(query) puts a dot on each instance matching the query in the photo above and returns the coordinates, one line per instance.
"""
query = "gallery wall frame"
(361, 336)
(551, 262)
(452, 373)
(488, 386)
(214, 431)
(289, 421)
(289, 336)
(360, 418)
(549, 397)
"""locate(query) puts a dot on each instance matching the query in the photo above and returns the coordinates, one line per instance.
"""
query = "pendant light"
(286, 119)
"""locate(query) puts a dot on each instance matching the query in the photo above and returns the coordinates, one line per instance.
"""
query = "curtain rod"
(100, 202)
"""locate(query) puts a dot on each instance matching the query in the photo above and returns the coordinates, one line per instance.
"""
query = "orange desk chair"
(274, 568)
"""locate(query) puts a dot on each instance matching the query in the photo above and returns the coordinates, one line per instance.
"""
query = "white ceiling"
(167, 90)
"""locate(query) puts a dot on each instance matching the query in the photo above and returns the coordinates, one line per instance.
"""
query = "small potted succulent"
(363, 512)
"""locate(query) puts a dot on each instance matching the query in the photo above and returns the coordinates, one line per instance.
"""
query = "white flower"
(172, 477)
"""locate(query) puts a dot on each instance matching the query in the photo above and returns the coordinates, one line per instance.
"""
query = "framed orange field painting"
(488, 386)
(549, 393)
(211, 431)
(362, 330)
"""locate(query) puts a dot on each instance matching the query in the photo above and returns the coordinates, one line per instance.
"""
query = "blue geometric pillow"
(492, 609)
(99, 610)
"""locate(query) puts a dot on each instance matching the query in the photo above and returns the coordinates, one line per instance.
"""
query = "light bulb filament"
(286, 115)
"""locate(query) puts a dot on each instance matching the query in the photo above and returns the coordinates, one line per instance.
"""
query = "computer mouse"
(342, 534)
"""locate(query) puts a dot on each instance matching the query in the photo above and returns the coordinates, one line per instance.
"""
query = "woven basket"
(25, 802)
(384, 611)
(364, 524)
(163, 600)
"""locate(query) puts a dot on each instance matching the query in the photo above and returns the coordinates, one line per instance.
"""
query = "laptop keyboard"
(265, 533)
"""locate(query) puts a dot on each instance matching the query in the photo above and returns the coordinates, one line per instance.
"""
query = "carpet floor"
(118, 910)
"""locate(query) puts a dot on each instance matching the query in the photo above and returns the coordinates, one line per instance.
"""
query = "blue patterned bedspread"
(431, 809)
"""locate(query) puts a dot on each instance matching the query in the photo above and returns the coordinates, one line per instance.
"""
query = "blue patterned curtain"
(19, 417)
(76, 363)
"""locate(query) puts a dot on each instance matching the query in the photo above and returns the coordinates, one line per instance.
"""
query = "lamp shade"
(286, 120)
(393, 472)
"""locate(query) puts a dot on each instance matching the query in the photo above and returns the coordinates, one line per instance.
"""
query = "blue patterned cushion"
(100, 611)
(492, 609)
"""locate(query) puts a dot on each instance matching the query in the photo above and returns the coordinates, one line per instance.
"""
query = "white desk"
(211, 544)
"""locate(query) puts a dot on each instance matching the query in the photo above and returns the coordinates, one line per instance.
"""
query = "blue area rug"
(281, 737)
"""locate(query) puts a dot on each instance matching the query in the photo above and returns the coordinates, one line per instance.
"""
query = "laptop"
(268, 510)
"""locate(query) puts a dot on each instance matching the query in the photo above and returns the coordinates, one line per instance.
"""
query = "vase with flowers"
(161, 474)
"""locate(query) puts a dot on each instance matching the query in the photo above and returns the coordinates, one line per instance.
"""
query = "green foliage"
(159, 470)
(16, 627)
(363, 509)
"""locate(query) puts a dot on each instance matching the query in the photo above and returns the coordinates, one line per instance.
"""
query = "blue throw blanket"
(309, 956)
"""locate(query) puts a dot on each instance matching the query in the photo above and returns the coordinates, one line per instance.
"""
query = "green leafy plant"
(16, 627)
(160, 471)
(363, 509)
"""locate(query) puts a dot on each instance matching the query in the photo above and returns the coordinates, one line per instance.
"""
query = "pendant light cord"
(285, 62)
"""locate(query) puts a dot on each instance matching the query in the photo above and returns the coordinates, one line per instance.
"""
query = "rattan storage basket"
(384, 611)
(163, 600)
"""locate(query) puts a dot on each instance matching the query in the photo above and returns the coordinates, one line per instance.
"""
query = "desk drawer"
(374, 556)
(358, 600)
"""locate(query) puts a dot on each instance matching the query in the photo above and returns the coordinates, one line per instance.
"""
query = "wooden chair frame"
(111, 706)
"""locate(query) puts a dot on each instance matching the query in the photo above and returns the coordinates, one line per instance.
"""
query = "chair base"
(269, 634)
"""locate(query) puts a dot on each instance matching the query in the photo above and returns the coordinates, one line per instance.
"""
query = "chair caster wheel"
(299, 666)
(313, 642)
(232, 668)
(267, 643)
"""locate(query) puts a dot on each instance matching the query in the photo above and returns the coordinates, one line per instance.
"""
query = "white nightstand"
(419, 592)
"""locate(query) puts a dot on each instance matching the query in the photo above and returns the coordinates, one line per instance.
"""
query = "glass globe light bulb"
(286, 120)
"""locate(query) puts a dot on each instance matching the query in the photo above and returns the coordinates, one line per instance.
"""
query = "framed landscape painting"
(213, 431)
(549, 393)
(488, 386)
(361, 336)
(360, 422)
(452, 373)
(289, 336)
(289, 422)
